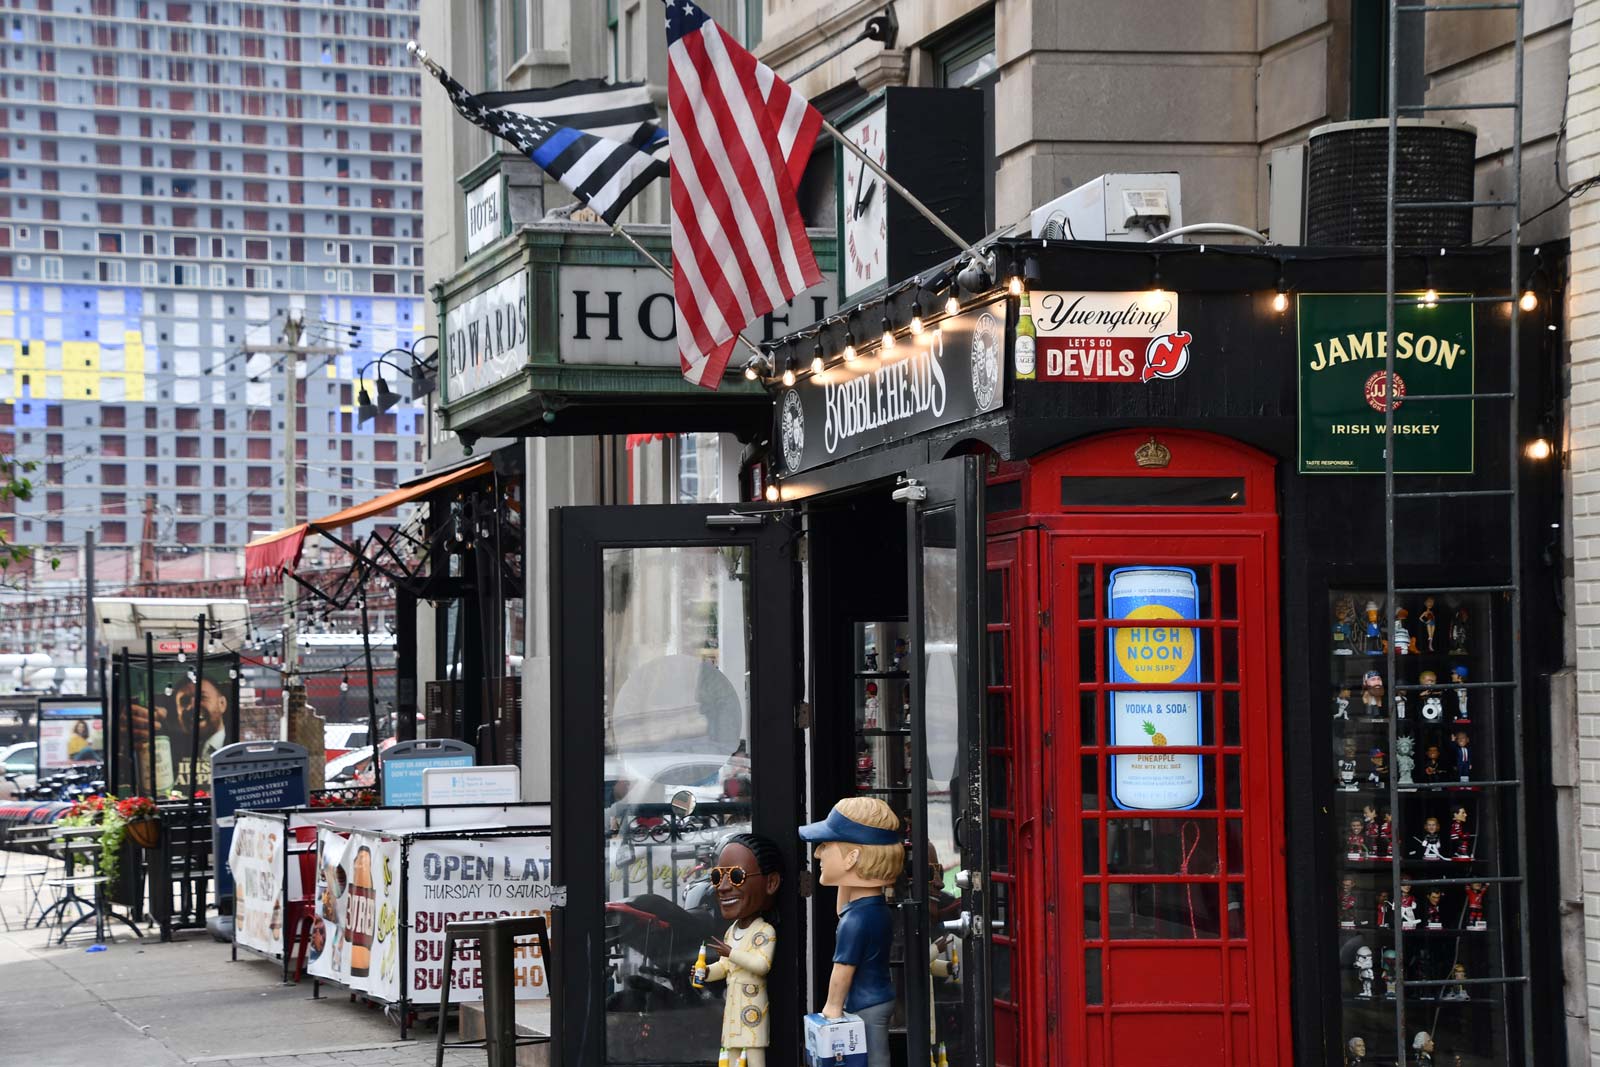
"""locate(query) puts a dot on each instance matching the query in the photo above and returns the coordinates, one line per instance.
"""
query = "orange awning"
(267, 557)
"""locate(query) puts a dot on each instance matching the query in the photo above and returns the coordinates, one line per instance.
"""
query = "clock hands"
(861, 201)
(866, 200)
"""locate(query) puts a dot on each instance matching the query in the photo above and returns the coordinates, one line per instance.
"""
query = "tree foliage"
(16, 486)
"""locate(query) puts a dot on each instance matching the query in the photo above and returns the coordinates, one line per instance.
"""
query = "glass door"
(947, 984)
(675, 687)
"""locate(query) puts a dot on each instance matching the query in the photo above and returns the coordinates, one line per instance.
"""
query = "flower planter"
(146, 833)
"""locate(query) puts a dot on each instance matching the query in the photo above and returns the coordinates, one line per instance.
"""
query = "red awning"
(636, 439)
(266, 558)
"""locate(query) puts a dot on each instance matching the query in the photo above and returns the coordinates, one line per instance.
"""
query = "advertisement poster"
(70, 732)
(402, 778)
(1343, 384)
(457, 879)
(177, 726)
(1108, 336)
(255, 790)
(355, 935)
(1157, 654)
(255, 861)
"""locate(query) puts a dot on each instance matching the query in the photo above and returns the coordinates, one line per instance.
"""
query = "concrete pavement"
(141, 1003)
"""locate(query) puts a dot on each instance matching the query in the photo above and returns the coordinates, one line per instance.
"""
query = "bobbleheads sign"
(1344, 385)
(953, 371)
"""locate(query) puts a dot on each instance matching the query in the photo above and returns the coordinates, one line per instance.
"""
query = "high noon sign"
(1343, 341)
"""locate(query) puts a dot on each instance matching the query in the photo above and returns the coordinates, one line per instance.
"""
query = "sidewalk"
(141, 1003)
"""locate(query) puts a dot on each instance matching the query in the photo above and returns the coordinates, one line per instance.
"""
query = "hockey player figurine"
(1355, 842)
(1370, 834)
(1347, 766)
(1460, 840)
(1384, 912)
(1372, 642)
(1341, 704)
(1430, 622)
(1386, 837)
(1404, 761)
(1435, 917)
(1432, 848)
(1463, 742)
(1402, 636)
(1475, 894)
(1372, 694)
(1458, 632)
(865, 768)
(1347, 904)
(1408, 907)
(1378, 775)
(1364, 971)
(869, 715)
(1432, 699)
(1459, 674)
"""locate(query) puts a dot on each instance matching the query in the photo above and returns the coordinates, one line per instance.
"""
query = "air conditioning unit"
(1113, 207)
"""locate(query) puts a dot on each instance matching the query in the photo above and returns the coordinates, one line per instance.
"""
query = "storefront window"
(1421, 899)
(676, 726)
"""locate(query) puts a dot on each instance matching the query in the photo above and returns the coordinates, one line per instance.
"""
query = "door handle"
(967, 880)
(961, 927)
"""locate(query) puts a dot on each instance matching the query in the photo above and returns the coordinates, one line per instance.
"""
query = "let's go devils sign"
(1109, 336)
(1343, 385)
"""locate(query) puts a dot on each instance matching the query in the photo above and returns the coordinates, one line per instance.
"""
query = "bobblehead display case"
(1416, 824)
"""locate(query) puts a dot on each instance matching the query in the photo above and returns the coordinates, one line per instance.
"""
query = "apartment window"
(113, 270)
(113, 444)
(113, 474)
(188, 476)
(185, 246)
(55, 501)
(186, 419)
(152, 447)
(50, 268)
(109, 243)
(113, 415)
(261, 504)
(966, 60)
(188, 448)
(384, 451)
(489, 37)
(188, 503)
(188, 533)
(260, 421)
(114, 533)
(259, 477)
(256, 250)
(150, 417)
(219, 475)
(52, 240)
(113, 503)
(219, 420)
(258, 448)
(383, 283)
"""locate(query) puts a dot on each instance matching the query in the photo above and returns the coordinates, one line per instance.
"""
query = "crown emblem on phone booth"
(1152, 454)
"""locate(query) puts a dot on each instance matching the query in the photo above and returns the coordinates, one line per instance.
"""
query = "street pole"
(293, 327)
(91, 676)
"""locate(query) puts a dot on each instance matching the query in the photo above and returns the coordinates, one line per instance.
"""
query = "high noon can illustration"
(1155, 652)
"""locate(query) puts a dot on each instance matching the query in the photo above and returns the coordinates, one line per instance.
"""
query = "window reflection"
(677, 780)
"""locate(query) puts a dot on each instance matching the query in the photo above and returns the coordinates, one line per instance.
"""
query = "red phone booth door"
(1162, 689)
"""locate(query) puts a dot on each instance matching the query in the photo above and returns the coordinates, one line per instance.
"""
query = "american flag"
(603, 173)
(740, 141)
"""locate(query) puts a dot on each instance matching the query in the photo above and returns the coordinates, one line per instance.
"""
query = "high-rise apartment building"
(175, 180)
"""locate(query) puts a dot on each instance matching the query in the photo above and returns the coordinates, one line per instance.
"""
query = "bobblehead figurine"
(859, 849)
(745, 880)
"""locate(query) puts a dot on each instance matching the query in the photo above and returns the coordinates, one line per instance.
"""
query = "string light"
(916, 319)
(1280, 300)
(952, 305)
(1430, 297)
(1014, 286)
(888, 334)
(817, 363)
(772, 493)
(1529, 301)
(1539, 449)
(788, 371)
(344, 684)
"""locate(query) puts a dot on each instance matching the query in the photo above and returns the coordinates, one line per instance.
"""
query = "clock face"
(863, 211)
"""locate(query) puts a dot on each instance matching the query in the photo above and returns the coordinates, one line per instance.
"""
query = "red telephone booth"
(1135, 645)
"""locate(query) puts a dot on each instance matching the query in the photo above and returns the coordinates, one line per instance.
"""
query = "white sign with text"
(486, 337)
(485, 207)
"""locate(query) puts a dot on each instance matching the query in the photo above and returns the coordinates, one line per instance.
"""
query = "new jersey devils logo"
(1166, 356)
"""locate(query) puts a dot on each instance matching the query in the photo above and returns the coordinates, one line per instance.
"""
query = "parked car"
(19, 768)
(340, 738)
(352, 768)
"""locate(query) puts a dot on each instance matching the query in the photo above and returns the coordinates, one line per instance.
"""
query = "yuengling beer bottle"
(1026, 340)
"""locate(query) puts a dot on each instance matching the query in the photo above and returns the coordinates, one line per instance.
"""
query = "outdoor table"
(98, 909)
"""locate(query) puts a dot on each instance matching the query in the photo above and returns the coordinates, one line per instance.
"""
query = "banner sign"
(1158, 654)
(625, 316)
(404, 762)
(1108, 336)
(485, 213)
(165, 724)
(452, 880)
(355, 936)
(255, 862)
(486, 337)
(70, 732)
(1342, 344)
(476, 785)
(950, 373)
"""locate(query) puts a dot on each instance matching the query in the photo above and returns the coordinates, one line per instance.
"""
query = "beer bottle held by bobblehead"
(1027, 335)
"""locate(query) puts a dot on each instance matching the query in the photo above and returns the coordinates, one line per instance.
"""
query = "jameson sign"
(946, 375)
(486, 337)
(1343, 386)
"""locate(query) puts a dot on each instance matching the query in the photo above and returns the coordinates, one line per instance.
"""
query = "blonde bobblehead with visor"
(745, 881)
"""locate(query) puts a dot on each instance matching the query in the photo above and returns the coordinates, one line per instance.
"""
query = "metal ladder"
(1514, 961)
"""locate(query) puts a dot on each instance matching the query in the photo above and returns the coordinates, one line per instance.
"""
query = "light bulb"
(916, 319)
(788, 376)
(1014, 286)
(1539, 449)
(344, 684)
(182, 658)
(816, 364)
(1280, 302)
(849, 352)
(1430, 298)
(772, 493)
(168, 690)
(952, 306)
(750, 371)
(1529, 301)
(888, 333)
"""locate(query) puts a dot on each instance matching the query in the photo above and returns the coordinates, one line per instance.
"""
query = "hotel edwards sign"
(950, 373)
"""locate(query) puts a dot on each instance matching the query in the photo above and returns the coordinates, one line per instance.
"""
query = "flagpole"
(905, 194)
(617, 229)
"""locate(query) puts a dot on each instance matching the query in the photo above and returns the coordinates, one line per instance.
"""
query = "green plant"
(16, 487)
